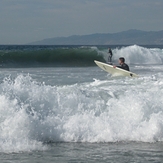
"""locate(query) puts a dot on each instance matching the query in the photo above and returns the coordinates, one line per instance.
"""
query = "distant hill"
(121, 38)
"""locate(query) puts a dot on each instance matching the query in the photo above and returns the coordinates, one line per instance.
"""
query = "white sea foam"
(100, 111)
(136, 55)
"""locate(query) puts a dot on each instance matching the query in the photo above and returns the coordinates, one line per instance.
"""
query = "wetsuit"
(124, 66)
(110, 55)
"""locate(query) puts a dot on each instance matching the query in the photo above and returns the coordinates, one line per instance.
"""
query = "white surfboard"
(115, 71)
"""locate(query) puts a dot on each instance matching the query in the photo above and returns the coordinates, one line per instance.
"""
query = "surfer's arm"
(117, 66)
(124, 67)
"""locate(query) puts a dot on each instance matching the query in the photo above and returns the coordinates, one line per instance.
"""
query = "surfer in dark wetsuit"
(123, 65)
(110, 55)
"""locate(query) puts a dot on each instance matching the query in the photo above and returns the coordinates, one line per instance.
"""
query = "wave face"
(33, 56)
(47, 56)
(32, 113)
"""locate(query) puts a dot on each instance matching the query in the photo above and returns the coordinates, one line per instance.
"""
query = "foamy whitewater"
(43, 106)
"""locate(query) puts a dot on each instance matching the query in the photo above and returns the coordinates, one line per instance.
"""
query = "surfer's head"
(121, 60)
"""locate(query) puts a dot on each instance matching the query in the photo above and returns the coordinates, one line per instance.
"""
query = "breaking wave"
(45, 56)
(33, 113)
(140, 55)
(49, 57)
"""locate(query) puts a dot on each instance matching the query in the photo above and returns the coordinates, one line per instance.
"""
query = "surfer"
(110, 55)
(123, 65)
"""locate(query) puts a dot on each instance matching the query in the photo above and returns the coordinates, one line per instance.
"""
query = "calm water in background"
(82, 114)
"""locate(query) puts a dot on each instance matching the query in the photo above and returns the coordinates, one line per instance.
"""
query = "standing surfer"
(110, 55)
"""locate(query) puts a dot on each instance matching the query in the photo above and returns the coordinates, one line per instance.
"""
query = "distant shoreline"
(129, 37)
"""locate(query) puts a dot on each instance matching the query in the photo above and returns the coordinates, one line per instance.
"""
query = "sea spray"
(121, 109)
(139, 55)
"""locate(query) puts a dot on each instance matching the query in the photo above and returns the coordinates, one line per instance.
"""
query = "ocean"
(56, 105)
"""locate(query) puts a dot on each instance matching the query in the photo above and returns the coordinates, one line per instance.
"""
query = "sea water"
(83, 114)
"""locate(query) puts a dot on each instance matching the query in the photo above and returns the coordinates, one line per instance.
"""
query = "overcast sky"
(24, 21)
